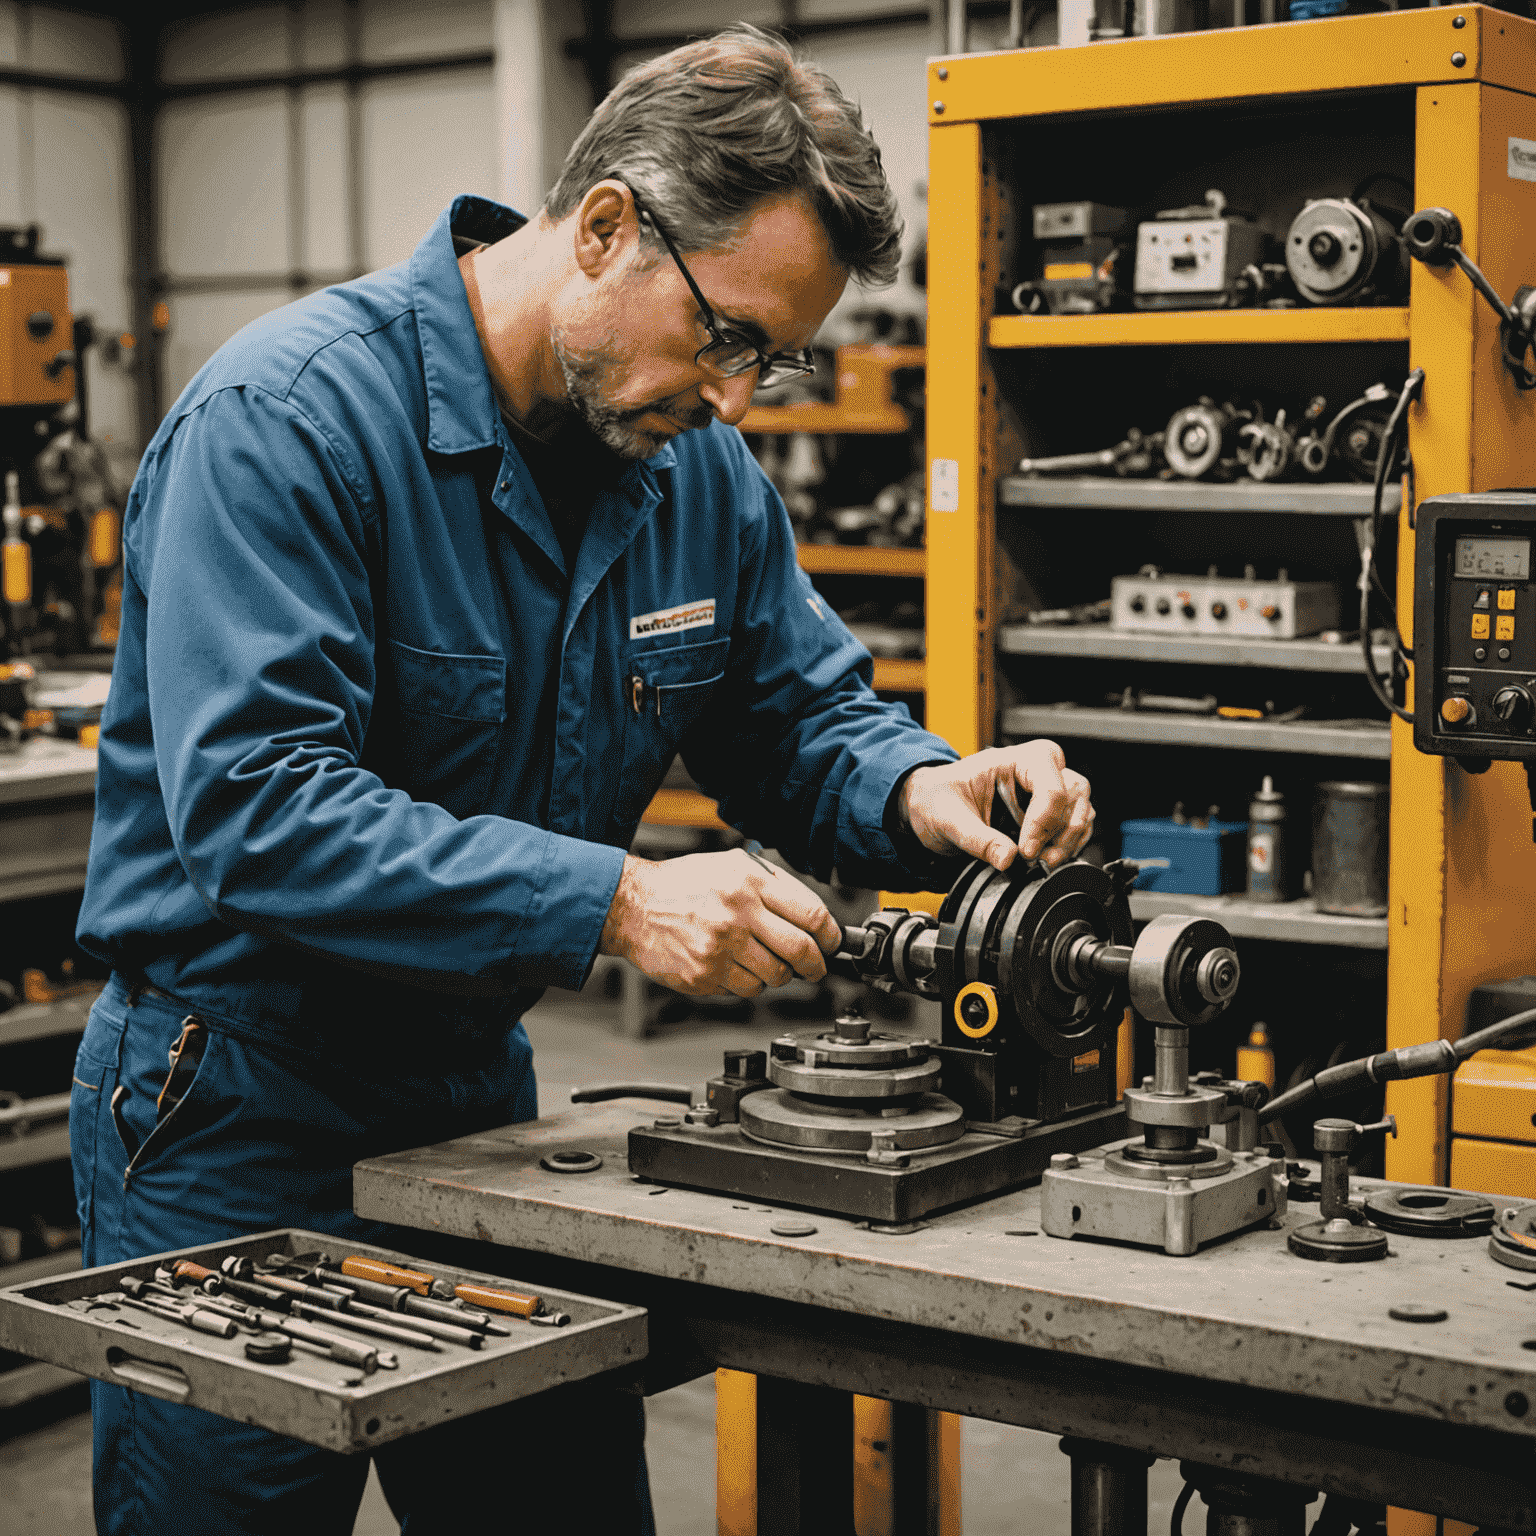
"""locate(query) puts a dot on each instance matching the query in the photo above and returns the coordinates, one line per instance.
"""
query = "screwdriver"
(488, 1296)
(389, 1298)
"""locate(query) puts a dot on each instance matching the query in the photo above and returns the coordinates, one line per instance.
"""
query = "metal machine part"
(1199, 258)
(1175, 1187)
(1265, 448)
(1513, 1240)
(1082, 259)
(1239, 1504)
(1033, 971)
(1200, 437)
(1430, 1213)
(1352, 438)
(1134, 455)
(1339, 251)
(1341, 1236)
(1109, 1488)
(1155, 602)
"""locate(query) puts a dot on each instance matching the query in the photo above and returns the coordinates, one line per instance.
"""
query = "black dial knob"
(1513, 707)
(1164, 607)
(1138, 604)
(1188, 610)
(1218, 610)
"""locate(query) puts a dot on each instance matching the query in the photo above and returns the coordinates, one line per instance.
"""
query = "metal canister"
(1349, 848)
(1269, 876)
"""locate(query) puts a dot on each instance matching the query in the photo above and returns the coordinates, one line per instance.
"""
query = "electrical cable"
(1427, 1060)
(1387, 455)
(1180, 1504)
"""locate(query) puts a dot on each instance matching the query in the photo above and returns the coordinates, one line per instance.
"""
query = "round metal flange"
(1193, 440)
(270, 1348)
(1118, 1162)
(1337, 1242)
(570, 1162)
(1513, 1241)
(1074, 901)
(1430, 1212)
(829, 1049)
(831, 1082)
(1194, 1110)
(1331, 250)
(1183, 970)
(777, 1117)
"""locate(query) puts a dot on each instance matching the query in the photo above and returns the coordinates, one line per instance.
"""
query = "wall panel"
(425, 138)
(412, 29)
(223, 184)
(226, 45)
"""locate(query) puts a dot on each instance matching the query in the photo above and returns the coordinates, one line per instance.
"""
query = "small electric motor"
(1342, 252)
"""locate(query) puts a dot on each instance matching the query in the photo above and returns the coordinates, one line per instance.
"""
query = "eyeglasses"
(728, 353)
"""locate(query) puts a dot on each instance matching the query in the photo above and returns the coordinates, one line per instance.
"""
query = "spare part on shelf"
(1203, 437)
(1433, 236)
(1083, 254)
(1475, 627)
(1200, 258)
(1265, 449)
(1080, 613)
(1352, 439)
(1173, 1187)
(1350, 823)
(1135, 455)
(1186, 855)
(1032, 970)
(1340, 251)
(1155, 602)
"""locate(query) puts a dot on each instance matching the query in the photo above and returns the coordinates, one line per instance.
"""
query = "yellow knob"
(1455, 710)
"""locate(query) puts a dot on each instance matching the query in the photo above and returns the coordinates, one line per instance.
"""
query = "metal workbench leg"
(914, 1509)
(1109, 1488)
(804, 1460)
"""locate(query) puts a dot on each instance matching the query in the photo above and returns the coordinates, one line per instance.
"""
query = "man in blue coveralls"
(428, 577)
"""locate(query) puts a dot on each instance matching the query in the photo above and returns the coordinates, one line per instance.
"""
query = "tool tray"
(310, 1397)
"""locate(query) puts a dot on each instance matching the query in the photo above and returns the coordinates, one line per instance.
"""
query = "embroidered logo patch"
(699, 614)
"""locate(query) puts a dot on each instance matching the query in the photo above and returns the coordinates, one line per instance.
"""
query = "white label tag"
(1522, 159)
(944, 496)
(699, 614)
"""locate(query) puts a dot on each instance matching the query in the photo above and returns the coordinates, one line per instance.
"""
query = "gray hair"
(705, 132)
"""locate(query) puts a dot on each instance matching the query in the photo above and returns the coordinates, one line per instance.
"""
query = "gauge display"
(1494, 559)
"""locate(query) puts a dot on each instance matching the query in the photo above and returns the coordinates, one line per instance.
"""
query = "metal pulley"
(1339, 251)
(1198, 437)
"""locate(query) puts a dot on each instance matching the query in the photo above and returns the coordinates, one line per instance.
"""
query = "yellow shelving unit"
(1214, 327)
(1460, 79)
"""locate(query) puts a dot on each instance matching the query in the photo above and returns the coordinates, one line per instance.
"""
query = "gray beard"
(585, 375)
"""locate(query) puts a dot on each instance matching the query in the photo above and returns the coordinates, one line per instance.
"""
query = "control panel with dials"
(1163, 603)
(1475, 626)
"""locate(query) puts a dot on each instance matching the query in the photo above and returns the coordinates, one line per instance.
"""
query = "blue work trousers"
(266, 1137)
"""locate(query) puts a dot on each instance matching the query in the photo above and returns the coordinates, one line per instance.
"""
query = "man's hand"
(950, 807)
(709, 923)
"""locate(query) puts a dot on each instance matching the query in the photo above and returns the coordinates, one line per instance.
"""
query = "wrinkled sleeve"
(803, 755)
(256, 548)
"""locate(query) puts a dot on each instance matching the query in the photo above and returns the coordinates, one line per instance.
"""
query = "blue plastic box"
(1203, 861)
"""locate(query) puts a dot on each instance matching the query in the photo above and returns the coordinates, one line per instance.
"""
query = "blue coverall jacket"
(370, 761)
(367, 731)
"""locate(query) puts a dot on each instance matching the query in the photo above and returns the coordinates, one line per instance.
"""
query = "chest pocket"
(451, 712)
(665, 693)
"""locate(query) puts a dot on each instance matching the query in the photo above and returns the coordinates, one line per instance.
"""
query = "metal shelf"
(41, 1268)
(1108, 493)
(1098, 642)
(1286, 922)
(1199, 327)
(1353, 738)
(41, 1021)
(860, 560)
(50, 1146)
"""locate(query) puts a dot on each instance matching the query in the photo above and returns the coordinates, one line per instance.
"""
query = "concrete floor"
(1012, 1480)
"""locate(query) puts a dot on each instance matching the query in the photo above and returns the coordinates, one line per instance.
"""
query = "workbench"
(1241, 1357)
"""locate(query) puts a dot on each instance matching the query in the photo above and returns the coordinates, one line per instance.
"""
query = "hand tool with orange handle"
(185, 1272)
(489, 1297)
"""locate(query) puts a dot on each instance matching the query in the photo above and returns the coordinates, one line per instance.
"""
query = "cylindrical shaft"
(1333, 1185)
(349, 1319)
(1171, 1064)
(1109, 1489)
(449, 1333)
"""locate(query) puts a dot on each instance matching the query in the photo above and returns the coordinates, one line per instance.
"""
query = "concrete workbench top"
(1244, 1311)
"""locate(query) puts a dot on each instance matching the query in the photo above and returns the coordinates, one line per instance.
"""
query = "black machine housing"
(1474, 626)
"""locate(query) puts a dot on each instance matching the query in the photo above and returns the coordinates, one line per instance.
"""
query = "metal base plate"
(773, 1115)
(1174, 1212)
(720, 1159)
(1338, 1242)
